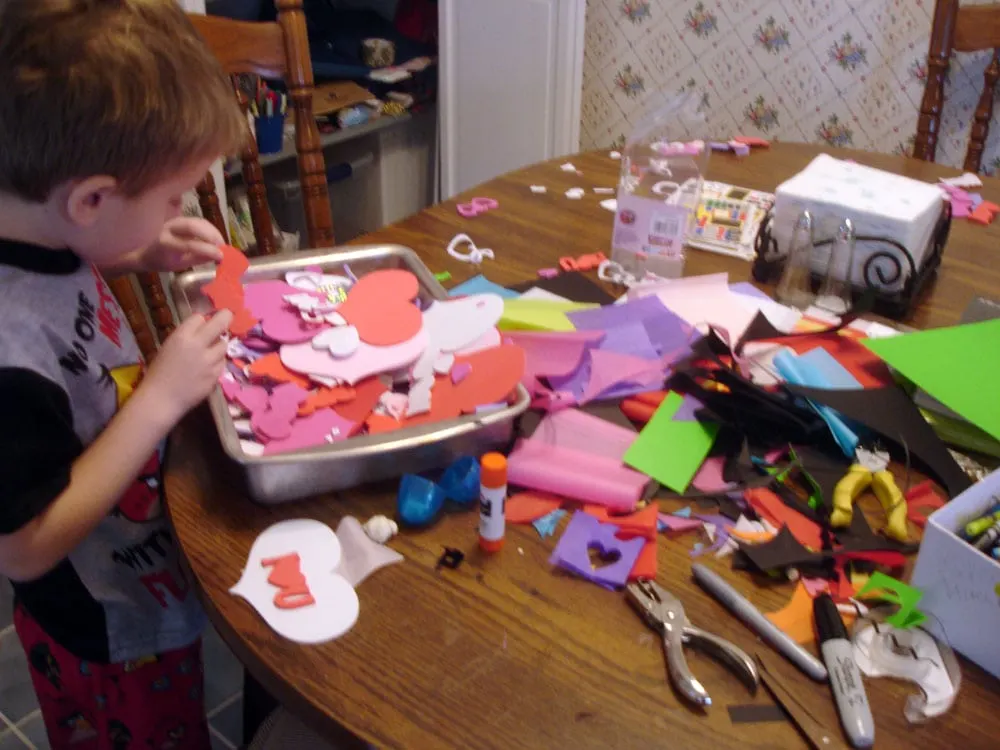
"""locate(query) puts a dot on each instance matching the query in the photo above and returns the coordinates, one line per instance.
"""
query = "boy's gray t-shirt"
(68, 362)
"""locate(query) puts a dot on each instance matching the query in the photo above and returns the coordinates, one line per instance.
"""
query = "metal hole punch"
(664, 613)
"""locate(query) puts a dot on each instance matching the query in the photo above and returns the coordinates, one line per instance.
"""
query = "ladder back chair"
(959, 29)
(272, 50)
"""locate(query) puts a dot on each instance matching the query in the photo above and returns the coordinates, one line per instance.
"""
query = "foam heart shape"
(279, 320)
(323, 397)
(289, 580)
(270, 367)
(339, 342)
(367, 359)
(275, 421)
(225, 291)
(321, 427)
(380, 305)
(367, 395)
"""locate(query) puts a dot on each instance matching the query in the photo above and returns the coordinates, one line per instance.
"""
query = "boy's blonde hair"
(125, 88)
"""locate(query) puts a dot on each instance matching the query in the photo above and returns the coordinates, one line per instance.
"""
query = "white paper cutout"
(575, 193)
(340, 342)
(336, 606)
(611, 204)
(361, 555)
(538, 189)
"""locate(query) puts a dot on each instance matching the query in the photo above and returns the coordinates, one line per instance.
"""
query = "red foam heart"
(380, 305)
(226, 290)
(270, 366)
(366, 396)
(323, 397)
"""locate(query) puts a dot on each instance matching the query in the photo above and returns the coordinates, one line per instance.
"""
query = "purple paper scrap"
(584, 533)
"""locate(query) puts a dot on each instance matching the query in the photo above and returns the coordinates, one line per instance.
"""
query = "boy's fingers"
(200, 251)
(218, 352)
(197, 229)
(215, 326)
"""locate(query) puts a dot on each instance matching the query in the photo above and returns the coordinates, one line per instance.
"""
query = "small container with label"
(492, 501)
(659, 189)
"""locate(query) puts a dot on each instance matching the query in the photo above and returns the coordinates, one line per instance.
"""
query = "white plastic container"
(658, 190)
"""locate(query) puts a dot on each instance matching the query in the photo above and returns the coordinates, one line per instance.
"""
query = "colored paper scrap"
(887, 588)
(794, 370)
(796, 618)
(671, 452)
(585, 533)
(538, 315)
(956, 365)
(481, 285)
(670, 522)
(552, 354)
(768, 505)
(546, 525)
(528, 507)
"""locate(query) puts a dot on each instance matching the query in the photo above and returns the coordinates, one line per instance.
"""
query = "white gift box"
(880, 204)
(961, 585)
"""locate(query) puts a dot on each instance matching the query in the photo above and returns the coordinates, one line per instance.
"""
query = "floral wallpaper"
(849, 73)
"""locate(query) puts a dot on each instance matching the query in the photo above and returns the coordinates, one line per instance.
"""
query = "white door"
(510, 79)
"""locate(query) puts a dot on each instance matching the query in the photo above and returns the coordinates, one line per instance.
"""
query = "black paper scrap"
(753, 713)
(890, 412)
(573, 286)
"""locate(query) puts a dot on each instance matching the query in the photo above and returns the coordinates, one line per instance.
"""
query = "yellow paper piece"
(539, 315)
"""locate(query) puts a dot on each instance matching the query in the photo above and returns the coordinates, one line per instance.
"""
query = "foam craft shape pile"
(329, 356)
(334, 607)
(956, 365)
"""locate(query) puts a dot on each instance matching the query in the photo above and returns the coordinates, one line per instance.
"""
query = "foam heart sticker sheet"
(323, 355)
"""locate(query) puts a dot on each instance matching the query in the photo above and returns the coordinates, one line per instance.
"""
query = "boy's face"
(109, 224)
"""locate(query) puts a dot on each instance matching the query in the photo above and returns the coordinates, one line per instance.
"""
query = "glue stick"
(492, 501)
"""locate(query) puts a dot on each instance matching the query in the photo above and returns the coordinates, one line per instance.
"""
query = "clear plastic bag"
(659, 188)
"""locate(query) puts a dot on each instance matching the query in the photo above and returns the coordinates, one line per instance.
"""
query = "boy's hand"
(187, 367)
(183, 242)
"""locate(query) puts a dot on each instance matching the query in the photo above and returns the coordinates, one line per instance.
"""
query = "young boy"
(111, 110)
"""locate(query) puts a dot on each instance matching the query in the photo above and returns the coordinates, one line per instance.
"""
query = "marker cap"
(829, 624)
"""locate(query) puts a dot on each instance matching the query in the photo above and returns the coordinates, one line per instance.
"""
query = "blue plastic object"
(460, 481)
(419, 501)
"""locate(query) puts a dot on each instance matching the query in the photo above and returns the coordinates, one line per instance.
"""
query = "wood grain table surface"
(505, 652)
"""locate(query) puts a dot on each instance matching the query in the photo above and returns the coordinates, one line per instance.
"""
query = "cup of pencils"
(268, 110)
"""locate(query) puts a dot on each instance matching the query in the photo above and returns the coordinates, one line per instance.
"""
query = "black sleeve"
(37, 445)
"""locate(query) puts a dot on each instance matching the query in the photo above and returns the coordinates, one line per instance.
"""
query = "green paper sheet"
(671, 452)
(958, 366)
(538, 315)
(887, 588)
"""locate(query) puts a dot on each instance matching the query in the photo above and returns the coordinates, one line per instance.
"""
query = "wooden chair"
(273, 50)
(955, 29)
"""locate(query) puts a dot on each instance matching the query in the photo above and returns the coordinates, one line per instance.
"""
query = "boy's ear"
(86, 198)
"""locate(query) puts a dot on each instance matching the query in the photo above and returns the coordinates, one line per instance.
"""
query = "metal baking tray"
(367, 458)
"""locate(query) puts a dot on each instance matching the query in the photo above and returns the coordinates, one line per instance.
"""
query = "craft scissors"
(664, 613)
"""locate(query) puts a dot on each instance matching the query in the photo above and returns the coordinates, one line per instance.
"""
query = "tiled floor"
(22, 726)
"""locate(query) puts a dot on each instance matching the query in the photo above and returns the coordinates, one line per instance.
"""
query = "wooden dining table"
(504, 651)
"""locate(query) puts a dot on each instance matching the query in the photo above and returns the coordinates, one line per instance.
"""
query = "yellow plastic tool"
(893, 503)
(857, 479)
(890, 497)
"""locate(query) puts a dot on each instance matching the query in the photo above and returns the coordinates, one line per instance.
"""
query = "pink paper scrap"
(670, 522)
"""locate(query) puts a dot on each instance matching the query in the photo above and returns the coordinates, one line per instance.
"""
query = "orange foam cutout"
(753, 537)
(495, 373)
(526, 507)
(378, 424)
(645, 563)
(380, 305)
(323, 397)
(271, 366)
(982, 214)
(750, 140)
(366, 396)
(286, 574)
(796, 617)
(226, 290)
(642, 523)
(769, 505)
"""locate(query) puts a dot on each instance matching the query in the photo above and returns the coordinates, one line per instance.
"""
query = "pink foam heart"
(275, 421)
(321, 427)
(460, 372)
(279, 320)
(367, 359)
(251, 397)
